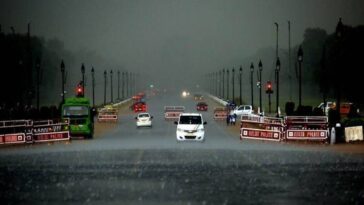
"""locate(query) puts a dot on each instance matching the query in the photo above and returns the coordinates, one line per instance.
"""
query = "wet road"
(147, 166)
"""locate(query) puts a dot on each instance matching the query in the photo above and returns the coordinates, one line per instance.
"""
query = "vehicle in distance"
(144, 119)
(190, 127)
(185, 94)
(201, 106)
(139, 107)
(198, 97)
(243, 110)
(81, 115)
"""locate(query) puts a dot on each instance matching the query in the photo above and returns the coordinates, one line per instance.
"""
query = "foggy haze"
(172, 42)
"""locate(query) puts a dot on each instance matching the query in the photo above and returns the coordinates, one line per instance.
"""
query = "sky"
(176, 41)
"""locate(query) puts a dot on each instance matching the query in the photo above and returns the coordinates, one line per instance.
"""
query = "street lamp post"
(105, 79)
(240, 82)
(111, 88)
(83, 77)
(37, 66)
(223, 83)
(118, 84)
(300, 59)
(220, 85)
(260, 66)
(251, 83)
(269, 91)
(63, 79)
(127, 83)
(233, 83)
(276, 39)
(339, 36)
(93, 86)
(278, 67)
(123, 85)
(227, 83)
(216, 83)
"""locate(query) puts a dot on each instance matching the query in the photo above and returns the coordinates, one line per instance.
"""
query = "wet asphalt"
(127, 165)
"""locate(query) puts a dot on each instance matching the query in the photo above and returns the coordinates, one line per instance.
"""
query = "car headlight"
(200, 130)
(179, 130)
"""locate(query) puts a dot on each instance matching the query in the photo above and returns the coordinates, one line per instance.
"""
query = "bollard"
(333, 136)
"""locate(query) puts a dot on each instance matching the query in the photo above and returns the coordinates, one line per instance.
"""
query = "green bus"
(81, 115)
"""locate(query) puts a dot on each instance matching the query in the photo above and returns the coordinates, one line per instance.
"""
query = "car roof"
(201, 103)
(190, 114)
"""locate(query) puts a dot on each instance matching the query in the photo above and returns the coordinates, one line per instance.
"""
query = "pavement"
(126, 165)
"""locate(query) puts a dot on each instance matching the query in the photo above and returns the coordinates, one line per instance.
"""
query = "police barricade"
(173, 112)
(15, 131)
(220, 113)
(306, 128)
(262, 128)
(50, 130)
(107, 115)
(28, 131)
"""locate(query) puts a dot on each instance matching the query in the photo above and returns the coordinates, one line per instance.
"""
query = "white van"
(243, 110)
(190, 127)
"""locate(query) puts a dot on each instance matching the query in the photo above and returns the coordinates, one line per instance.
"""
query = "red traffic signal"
(79, 90)
(269, 88)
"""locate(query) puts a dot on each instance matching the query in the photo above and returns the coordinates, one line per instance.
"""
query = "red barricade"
(220, 113)
(50, 130)
(306, 128)
(173, 112)
(262, 128)
(15, 131)
(107, 115)
(28, 131)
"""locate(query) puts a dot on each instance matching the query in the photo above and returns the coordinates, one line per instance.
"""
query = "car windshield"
(190, 120)
(75, 111)
(143, 115)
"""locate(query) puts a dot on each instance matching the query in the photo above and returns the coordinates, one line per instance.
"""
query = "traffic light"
(79, 90)
(268, 88)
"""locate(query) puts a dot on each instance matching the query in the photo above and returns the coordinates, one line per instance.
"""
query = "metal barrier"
(306, 128)
(220, 113)
(50, 130)
(28, 131)
(107, 115)
(173, 112)
(15, 131)
(262, 128)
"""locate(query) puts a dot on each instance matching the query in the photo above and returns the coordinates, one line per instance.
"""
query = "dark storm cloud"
(171, 40)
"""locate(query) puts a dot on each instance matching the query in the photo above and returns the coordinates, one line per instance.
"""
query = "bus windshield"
(75, 111)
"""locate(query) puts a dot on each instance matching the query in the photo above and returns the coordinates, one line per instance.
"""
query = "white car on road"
(243, 109)
(144, 119)
(190, 127)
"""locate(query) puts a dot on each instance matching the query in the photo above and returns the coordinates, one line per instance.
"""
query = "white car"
(190, 127)
(243, 109)
(144, 119)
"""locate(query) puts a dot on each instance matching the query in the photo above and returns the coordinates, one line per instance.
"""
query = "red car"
(201, 106)
(140, 107)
